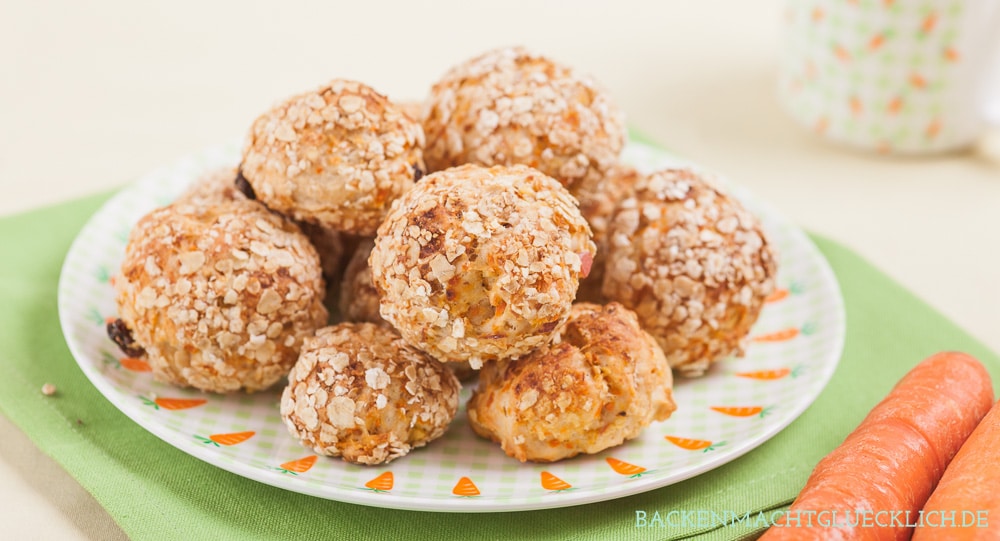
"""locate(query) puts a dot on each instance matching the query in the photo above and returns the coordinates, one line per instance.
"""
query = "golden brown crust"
(359, 392)
(478, 264)
(337, 156)
(600, 383)
(218, 186)
(509, 106)
(693, 264)
(220, 296)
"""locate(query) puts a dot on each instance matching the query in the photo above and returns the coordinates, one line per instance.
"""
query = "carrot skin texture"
(894, 458)
(971, 482)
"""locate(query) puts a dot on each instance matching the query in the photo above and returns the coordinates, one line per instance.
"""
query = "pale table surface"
(93, 94)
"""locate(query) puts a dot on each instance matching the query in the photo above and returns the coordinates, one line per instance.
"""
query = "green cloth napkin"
(157, 492)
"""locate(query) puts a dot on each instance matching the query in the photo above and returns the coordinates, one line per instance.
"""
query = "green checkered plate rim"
(741, 403)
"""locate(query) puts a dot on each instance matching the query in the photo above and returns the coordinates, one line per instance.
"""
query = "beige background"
(96, 93)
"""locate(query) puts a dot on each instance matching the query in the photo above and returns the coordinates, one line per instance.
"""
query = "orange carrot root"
(894, 458)
(967, 499)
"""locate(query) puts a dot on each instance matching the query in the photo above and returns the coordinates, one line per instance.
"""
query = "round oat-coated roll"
(693, 263)
(359, 392)
(337, 156)
(359, 300)
(601, 383)
(227, 184)
(510, 106)
(478, 264)
(220, 296)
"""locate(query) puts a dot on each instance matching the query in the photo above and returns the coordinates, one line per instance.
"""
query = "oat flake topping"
(480, 263)
(692, 263)
(336, 156)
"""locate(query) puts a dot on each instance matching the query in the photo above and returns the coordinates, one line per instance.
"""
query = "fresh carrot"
(893, 459)
(551, 482)
(382, 483)
(968, 487)
(624, 468)
(465, 487)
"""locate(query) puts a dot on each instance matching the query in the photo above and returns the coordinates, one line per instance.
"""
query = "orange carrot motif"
(298, 466)
(551, 482)
(895, 105)
(694, 445)
(465, 488)
(929, 23)
(933, 129)
(784, 335)
(232, 438)
(918, 81)
(781, 294)
(771, 375)
(742, 411)
(876, 41)
(135, 365)
(841, 52)
(173, 403)
(817, 15)
(382, 483)
(855, 103)
(778, 336)
(625, 468)
(821, 124)
(951, 55)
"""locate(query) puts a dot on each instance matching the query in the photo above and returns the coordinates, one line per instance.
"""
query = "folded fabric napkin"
(155, 491)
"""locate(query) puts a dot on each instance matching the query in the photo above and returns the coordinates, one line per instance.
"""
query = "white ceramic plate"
(739, 405)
